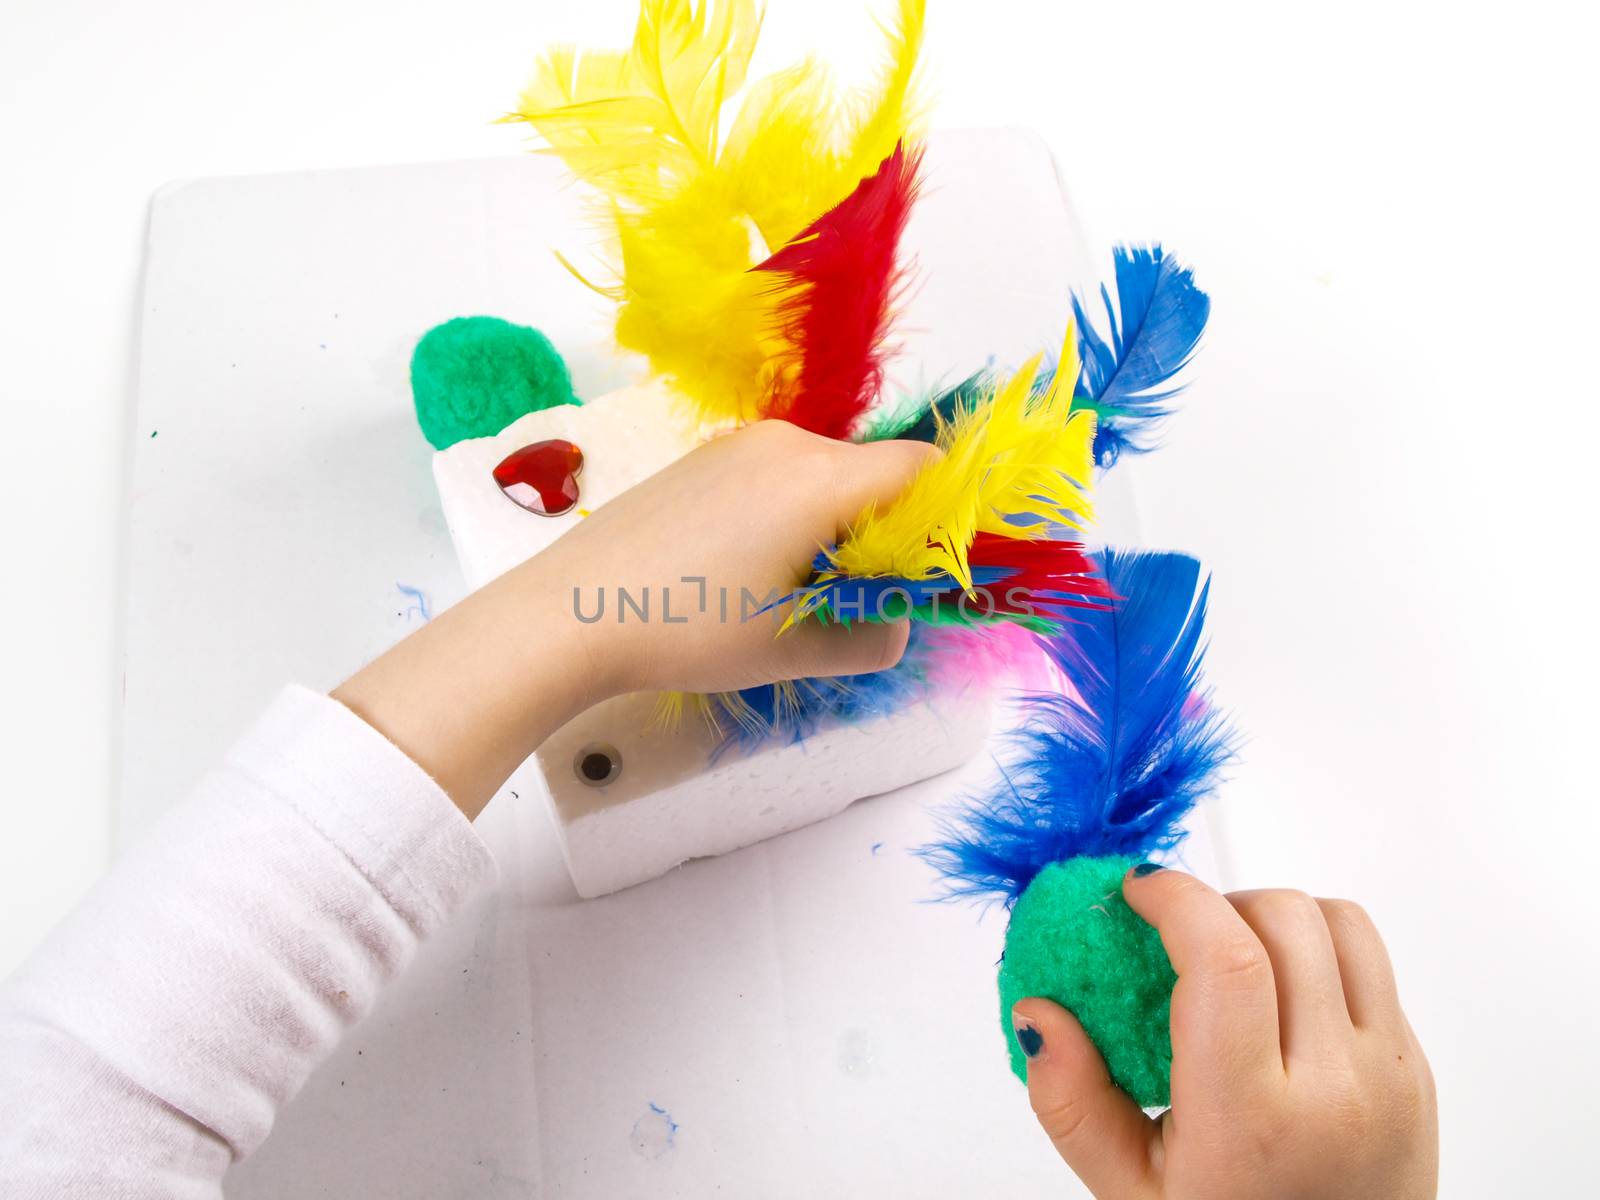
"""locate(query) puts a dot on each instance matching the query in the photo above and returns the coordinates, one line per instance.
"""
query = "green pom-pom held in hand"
(1101, 777)
(473, 376)
(1074, 940)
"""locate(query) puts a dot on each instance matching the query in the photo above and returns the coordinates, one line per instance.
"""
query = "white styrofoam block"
(675, 797)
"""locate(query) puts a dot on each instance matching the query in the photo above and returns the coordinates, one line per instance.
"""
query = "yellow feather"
(671, 708)
(784, 150)
(1013, 455)
(691, 212)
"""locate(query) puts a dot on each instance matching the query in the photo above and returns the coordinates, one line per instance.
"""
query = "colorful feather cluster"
(755, 262)
(977, 541)
(943, 659)
(924, 557)
(756, 268)
(970, 539)
(1112, 763)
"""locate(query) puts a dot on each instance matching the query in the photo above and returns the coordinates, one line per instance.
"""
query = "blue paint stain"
(419, 602)
(653, 1134)
(876, 846)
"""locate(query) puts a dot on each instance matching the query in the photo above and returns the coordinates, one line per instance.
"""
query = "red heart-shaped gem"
(543, 477)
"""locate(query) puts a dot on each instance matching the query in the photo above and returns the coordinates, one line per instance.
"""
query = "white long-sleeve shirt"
(149, 1042)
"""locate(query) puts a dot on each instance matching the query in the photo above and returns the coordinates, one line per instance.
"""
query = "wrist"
(474, 692)
(565, 653)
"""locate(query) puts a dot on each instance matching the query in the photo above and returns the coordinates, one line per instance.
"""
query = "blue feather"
(793, 713)
(1155, 327)
(879, 597)
(1114, 770)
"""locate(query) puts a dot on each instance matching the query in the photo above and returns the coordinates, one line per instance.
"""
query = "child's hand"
(1294, 1071)
(710, 540)
(472, 693)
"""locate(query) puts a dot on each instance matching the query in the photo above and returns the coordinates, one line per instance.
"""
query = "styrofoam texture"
(727, 801)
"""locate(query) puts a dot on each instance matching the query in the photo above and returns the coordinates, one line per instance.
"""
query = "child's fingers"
(1312, 1016)
(826, 482)
(1102, 1134)
(874, 473)
(1224, 1008)
(814, 649)
(1364, 968)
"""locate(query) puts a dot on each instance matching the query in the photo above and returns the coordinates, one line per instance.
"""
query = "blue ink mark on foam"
(653, 1134)
(876, 846)
(419, 602)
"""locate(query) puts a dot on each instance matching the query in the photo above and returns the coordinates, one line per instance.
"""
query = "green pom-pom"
(1073, 939)
(473, 376)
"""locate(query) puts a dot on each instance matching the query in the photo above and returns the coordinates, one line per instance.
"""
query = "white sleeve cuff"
(394, 823)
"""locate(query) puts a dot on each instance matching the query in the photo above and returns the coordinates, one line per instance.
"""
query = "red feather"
(1054, 574)
(1044, 577)
(840, 284)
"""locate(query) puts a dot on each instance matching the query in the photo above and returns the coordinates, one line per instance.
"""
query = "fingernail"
(1030, 1041)
(1144, 869)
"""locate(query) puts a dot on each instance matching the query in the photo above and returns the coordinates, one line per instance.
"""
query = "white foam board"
(805, 1021)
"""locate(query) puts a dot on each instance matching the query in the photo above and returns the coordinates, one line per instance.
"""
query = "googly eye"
(597, 764)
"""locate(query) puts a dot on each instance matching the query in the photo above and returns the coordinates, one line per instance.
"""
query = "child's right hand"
(1295, 1074)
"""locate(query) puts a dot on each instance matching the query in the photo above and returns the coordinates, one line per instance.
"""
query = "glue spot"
(857, 1053)
(654, 1133)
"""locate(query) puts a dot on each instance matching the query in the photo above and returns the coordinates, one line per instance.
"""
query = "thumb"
(876, 472)
(813, 648)
(1103, 1135)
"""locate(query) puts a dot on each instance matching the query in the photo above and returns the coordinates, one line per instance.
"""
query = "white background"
(1385, 459)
